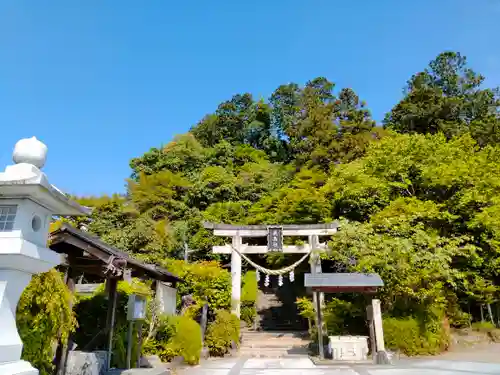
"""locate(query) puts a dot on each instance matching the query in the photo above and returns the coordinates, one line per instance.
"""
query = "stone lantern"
(27, 203)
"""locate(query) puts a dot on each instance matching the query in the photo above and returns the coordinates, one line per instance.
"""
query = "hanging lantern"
(257, 275)
(266, 281)
(292, 276)
(280, 280)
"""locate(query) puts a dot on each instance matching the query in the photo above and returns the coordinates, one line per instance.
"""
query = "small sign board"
(167, 298)
(275, 238)
(136, 307)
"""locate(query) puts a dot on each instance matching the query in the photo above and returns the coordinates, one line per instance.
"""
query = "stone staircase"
(273, 344)
(280, 332)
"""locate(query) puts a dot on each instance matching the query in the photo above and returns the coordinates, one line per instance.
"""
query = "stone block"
(151, 361)
(86, 363)
(348, 348)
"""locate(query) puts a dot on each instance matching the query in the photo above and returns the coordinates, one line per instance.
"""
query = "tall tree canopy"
(421, 195)
(448, 97)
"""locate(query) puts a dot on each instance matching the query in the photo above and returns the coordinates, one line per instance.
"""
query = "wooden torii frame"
(238, 232)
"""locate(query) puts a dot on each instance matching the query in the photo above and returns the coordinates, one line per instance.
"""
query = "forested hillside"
(419, 194)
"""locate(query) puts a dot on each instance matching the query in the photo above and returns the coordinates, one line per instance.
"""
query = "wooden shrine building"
(87, 254)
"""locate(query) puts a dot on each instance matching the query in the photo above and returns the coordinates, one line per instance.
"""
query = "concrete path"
(304, 366)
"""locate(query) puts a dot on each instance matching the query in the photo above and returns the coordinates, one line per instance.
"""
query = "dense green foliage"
(91, 313)
(205, 281)
(249, 290)
(222, 332)
(42, 319)
(412, 337)
(419, 198)
(176, 336)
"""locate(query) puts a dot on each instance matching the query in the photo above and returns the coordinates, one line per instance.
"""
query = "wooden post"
(236, 276)
(139, 344)
(112, 285)
(321, 349)
(377, 322)
(129, 342)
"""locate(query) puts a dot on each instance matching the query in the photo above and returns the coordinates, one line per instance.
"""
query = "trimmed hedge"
(222, 332)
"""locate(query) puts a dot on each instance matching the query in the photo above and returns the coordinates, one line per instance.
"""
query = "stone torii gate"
(275, 234)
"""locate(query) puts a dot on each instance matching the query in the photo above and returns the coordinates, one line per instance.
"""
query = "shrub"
(248, 313)
(344, 318)
(204, 281)
(413, 336)
(220, 333)
(44, 312)
(249, 292)
(176, 336)
(403, 335)
(250, 287)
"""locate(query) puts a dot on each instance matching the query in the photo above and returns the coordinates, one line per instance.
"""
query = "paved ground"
(303, 366)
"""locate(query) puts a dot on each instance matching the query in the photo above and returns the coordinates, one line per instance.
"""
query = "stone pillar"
(315, 263)
(377, 322)
(27, 203)
(236, 276)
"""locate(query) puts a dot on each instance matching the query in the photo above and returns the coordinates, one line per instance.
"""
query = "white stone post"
(377, 322)
(27, 203)
(315, 263)
(236, 276)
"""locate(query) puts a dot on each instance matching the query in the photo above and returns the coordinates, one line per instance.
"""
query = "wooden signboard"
(275, 238)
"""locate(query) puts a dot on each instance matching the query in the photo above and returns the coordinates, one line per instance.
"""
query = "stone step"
(275, 342)
(276, 333)
(272, 353)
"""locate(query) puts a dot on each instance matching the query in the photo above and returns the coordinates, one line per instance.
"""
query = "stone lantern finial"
(30, 151)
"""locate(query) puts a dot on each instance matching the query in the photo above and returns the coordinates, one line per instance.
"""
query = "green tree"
(448, 97)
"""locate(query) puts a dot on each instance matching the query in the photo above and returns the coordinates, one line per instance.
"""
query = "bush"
(344, 318)
(224, 330)
(250, 287)
(414, 337)
(44, 312)
(403, 335)
(204, 281)
(249, 293)
(248, 313)
(176, 336)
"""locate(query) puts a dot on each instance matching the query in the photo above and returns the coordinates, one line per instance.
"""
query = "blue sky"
(100, 82)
